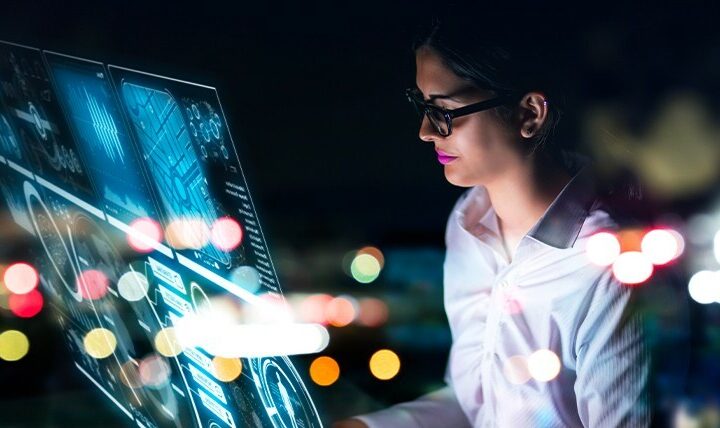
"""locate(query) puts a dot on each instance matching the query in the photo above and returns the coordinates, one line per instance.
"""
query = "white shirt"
(548, 297)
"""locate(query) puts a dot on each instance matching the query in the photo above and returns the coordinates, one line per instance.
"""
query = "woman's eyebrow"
(452, 96)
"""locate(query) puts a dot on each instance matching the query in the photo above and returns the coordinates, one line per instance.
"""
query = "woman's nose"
(427, 131)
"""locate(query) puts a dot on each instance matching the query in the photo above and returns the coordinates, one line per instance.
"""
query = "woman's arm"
(613, 362)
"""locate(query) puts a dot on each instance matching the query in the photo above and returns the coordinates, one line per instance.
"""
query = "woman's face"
(481, 146)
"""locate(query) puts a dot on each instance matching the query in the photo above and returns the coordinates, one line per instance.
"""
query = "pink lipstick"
(445, 158)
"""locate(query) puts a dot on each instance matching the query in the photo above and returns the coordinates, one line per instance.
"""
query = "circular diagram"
(52, 241)
(283, 393)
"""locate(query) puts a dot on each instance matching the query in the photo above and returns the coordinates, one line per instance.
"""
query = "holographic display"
(96, 119)
(32, 111)
(184, 140)
(152, 148)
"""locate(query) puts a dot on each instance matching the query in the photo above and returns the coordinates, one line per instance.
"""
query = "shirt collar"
(558, 227)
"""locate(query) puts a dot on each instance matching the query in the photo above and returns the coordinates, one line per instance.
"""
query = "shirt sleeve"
(439, 408)
(613, 361)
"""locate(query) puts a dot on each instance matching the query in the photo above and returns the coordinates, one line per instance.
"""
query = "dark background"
(313, 93)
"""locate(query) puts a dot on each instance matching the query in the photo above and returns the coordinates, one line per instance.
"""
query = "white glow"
(133, 286)
(602, 248)
(632, 267)
(661, 245)
(233, 340)
(716, 246)
(704, 287)
(543, 365)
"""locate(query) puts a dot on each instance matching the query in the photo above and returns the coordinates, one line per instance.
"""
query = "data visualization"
(32, 118)
(96, 119)
(142, 218)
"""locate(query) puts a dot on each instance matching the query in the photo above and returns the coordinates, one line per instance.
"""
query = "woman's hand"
(349, 423)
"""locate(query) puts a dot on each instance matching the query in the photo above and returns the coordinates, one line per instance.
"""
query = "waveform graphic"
(105, 129)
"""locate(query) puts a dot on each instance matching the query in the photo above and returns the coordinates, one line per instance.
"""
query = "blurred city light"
(26, 305)
(21, 278)
(602, 248)
(166, 342)
(100, 343)
(187, 233)
(14, 345)
(312, 308)
(246, 277)
(365, 268)
(154, 371)
(662, 246)
(226, 369)
(226, 234)
(543, 365)
(373, 312)
(133, 286)
(516, 370)
(93, 284)
(375, 252)
(384, 364)
(144, 234)
(341, 311)
(324, 371)
(704, 287)
(632, 267)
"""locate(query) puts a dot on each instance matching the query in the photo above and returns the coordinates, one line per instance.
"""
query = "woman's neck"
(522, 195)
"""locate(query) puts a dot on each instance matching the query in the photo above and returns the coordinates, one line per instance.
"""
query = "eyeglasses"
(441, 118)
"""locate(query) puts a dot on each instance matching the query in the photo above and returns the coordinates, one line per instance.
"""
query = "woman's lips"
(445, 158)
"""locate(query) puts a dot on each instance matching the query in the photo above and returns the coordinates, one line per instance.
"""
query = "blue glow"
(96, 119)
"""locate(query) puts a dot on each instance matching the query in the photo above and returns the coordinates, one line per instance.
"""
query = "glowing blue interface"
(97, 122)
(77, 171)
(32, 118)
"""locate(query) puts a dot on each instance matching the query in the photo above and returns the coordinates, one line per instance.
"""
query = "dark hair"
(501, 63)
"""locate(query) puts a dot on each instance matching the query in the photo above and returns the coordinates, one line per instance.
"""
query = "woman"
(520, 294)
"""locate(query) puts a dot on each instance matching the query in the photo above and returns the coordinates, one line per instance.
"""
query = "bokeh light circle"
(26, 305)
(100, 343)
(154, 371)
(226, 369)
(226, 234)
(602, 248)
(704, 287)
(661, 246)
(166, 342)
(324, 371)
(632, 267)
(149, 232)
(365, 268)
(93, 284)
(543, 365)
(516, 370)
(187, 233)
(312, 308)
(14, 345)
(373, 312)
(375, 252)
(384, 364)
(21, 278)
(246, 277)
(133, 286)
(340, 311)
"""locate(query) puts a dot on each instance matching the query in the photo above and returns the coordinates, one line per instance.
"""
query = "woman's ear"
(533, 113)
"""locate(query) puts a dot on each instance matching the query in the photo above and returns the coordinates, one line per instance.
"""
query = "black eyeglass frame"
(415, 97)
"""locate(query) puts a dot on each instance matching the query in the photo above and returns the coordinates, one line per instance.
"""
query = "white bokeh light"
(602, 248)
(704, 287)
(716, 246)
(632, 267)
(661, 245)
(543, 365)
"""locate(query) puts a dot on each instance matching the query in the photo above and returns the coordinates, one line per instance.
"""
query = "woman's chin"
(458, 179)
